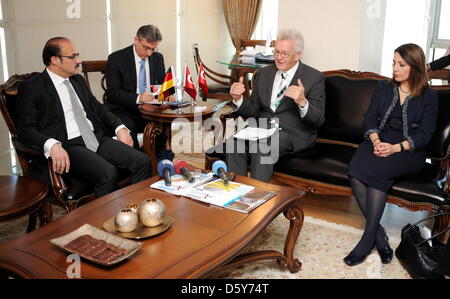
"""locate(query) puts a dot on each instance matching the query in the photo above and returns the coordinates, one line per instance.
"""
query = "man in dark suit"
(290, 93)
(59, 116)
(129, 74)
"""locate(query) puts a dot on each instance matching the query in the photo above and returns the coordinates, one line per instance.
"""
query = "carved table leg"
(151, 131)
(296, 216)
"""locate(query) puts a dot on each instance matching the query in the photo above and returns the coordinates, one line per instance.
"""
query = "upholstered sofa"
(322, 170)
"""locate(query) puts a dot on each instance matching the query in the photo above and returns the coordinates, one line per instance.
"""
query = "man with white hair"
(289, 92)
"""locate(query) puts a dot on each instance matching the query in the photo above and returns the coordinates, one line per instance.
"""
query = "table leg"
(150, 132)
(296, 216)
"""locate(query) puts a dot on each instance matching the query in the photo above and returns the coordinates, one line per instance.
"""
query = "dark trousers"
(100, 168)
(261, 166)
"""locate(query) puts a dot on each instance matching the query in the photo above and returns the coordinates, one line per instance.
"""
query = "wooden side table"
(21, 196)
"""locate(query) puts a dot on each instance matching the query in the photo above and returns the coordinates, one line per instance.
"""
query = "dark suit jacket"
(41, 115)
(421, 114)
(302, 131)
(440, 63)
(121, 79)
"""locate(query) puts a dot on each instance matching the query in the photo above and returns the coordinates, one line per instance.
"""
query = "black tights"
(372, 203)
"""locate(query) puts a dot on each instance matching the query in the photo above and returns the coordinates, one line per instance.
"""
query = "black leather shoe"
(386, 254)
(353, 259)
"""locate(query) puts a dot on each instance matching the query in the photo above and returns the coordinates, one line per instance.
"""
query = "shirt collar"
(56, 79)
(136, 56)
(290, 73)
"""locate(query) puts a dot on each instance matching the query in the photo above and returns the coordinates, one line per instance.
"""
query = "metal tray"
(141, 231)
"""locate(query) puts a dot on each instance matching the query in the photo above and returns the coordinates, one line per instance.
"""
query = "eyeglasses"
(280, 53)
(72, 57)
(148, 48)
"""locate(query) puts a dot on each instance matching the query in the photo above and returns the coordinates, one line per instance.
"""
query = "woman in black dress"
(398, 126)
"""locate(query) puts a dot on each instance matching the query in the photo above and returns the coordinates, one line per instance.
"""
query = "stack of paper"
(257, 54)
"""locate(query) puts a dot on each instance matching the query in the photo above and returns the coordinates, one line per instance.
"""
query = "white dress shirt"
(275, 90)
(72, 128)
(138, 60)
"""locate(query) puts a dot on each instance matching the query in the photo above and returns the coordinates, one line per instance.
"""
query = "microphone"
(166, 170)
(181, 167)
(220, 168)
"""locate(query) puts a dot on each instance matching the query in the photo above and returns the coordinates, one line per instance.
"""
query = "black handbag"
(421, 260)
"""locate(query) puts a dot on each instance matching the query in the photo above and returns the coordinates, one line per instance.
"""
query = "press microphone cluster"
(181, 167)
(220, 168)
(166, 170)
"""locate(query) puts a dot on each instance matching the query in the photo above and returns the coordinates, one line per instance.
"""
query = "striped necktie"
(282, 88)
(88, 136)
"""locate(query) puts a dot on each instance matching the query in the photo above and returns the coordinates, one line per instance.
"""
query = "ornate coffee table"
(202, 239)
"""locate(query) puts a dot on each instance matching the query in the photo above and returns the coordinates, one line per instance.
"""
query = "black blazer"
(41, 115)
(440, 63)
(421, 114)
(121, 79)
(302, 131)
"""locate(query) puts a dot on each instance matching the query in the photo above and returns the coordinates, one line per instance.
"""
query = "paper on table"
(251, 133)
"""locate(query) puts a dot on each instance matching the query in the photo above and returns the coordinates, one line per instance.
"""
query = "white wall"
(332, 30)
(203, 22)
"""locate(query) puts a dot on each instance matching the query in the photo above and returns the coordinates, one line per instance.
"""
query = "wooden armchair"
(220, 89)
(442, 74)
(94, 66)
(68, 190)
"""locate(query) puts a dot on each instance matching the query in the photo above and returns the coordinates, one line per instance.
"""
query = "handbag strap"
(437, 235)
(428, 218)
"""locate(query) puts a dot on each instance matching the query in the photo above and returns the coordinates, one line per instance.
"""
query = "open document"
(251, 133)
(180, 184)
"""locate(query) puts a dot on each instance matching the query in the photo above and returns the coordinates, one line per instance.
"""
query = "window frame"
(436, 18)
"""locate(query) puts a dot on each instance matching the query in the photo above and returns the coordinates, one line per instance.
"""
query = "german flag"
(168, 87)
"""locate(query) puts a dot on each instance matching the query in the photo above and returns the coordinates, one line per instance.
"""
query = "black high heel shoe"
(354, 259)
(386, 254)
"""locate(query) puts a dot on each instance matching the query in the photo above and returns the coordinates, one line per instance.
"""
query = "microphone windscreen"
(178, 164)
(219, 164)
(165, 164)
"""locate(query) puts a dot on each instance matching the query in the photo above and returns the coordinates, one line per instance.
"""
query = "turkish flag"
(203, 85)
(189, 86)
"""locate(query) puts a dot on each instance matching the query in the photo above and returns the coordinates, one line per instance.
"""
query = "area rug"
(321, 247)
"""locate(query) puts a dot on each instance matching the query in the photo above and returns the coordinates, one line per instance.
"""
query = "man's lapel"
(268, 86)
(54, 97)
(130, 64)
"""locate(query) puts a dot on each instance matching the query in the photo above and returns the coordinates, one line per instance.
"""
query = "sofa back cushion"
(439, 145)
(347, 100)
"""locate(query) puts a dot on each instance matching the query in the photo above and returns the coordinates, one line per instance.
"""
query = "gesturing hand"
(237, 89)
(297, 93)
(125, 137)
(60, 159)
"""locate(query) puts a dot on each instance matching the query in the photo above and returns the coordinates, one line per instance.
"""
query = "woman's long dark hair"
(415, 58)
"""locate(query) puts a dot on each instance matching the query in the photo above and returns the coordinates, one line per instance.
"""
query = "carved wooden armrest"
(58, 185)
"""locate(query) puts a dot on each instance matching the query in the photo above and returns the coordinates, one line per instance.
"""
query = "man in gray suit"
(289, 92)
